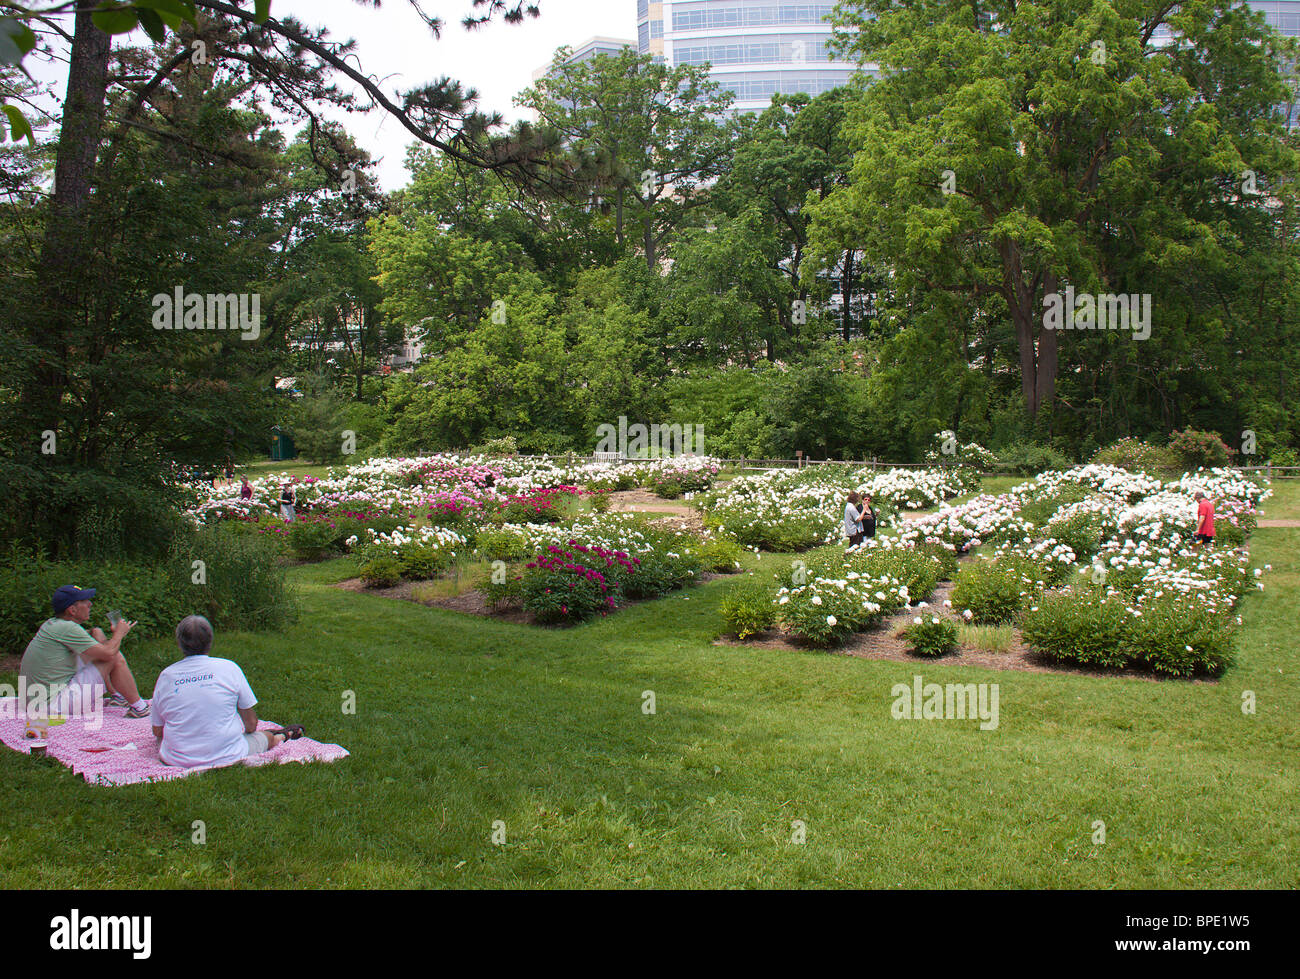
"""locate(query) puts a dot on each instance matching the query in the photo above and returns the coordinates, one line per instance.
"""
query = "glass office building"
(588, 50)
(758, 48)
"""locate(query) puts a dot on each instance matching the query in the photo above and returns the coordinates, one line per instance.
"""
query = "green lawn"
(461, 722)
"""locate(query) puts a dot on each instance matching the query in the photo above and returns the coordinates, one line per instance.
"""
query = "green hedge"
(240, 585)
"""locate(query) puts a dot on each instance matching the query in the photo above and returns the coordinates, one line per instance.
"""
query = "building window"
(643, 38)
(656, 28)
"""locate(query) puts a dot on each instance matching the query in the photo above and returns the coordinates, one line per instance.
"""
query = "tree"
(644, 141)
(1011, 150)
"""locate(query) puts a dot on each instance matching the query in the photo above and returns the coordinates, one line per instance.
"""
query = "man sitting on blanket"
(71, 668)
(203, 706)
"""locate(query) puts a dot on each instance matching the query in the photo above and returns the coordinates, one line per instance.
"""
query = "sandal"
(291, 732)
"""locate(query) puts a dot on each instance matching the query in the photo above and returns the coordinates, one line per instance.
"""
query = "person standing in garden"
(245, 490)
(1204, 518)
(868, 520)
(288, 500)
(853, 520)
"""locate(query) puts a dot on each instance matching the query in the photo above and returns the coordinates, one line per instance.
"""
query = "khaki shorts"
(257, 742)
(81, 695)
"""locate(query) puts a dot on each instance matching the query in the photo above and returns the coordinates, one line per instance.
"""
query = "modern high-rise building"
(757, 48)
(589, 49)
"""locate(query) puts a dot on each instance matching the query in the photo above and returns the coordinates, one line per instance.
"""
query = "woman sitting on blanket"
(203, 706)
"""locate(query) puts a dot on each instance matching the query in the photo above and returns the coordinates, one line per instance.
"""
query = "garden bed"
(475, 602)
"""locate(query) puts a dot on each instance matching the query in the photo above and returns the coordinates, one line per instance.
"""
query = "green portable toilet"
(281, 445)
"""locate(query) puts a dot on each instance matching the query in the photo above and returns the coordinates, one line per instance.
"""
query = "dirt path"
(1279, 523)
(670, 513)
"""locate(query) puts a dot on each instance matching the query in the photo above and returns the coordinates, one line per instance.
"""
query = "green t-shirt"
(54, 655)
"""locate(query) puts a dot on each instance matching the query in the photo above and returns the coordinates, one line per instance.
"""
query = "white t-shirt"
(195, 701)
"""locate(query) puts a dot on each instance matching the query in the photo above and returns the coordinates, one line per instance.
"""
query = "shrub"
(916, 569)
(995, 591)
(1043, 502)
(600, 502)
(1082, 531)
(1181, 638)
(929, 635)
(1086, 628)
(1031, 458)
(244, 585)
(668, 489)
(747, 608)
(1196, 450)
(381, 571)
(502, 544)
(719, 555)
(667, 566)
(558, 587)
(1134, 454)
(501, 587)
(422, 561)
(312, 537)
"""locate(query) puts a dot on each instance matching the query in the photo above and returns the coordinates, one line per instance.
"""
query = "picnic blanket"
(124, 751)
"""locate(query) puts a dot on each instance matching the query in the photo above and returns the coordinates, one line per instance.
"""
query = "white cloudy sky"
(497, 59)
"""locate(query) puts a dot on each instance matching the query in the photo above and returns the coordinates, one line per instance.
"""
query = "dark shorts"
(1205, 538)
(855, 539)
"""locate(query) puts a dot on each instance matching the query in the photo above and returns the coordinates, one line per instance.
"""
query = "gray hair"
(194, 635)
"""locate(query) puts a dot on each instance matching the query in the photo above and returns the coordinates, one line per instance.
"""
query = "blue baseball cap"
(67, 595)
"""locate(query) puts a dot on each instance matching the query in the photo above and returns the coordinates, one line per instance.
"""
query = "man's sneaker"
(134, 712)
(114, 700)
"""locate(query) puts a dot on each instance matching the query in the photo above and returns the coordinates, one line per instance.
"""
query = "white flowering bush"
(415, 553)
(945, 450)
(826, 611)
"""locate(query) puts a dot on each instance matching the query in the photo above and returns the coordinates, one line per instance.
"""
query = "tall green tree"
(1011, 150)
(644, 141)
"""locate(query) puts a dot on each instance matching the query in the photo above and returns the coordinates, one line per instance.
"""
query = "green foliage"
(419, 562)
(1170, 635)
(1135, 454)
(1043, 502)
(1086, 628)
(929, 635)
(668, 489)
(502, 590)
(1195, 450)
(747, 608)
(996, 590)
(381, 571)
(1031, 458)
(719, 555)
(240, 585)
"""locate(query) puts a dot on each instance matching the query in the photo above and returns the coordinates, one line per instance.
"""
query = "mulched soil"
(10, 664)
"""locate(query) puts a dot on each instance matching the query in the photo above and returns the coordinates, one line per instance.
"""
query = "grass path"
(461, 722)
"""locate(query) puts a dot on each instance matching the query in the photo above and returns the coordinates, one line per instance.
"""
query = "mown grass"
(461, 722)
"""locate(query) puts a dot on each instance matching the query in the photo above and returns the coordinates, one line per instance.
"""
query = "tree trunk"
(65, 252)
(846, 293)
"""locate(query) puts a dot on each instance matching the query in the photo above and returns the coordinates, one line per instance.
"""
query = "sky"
(497, 59)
